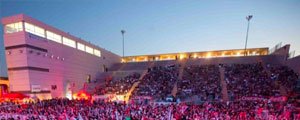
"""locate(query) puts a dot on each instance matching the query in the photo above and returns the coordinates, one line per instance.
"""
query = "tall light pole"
(123, 32)
(249, 17)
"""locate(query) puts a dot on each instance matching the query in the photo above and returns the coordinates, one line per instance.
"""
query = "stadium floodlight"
(249, 17)
(123, 32)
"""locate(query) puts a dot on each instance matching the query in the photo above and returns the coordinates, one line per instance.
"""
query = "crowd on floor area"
(64, 109)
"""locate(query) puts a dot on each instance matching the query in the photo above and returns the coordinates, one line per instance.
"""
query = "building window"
(80, 46)
(29, 28)
(89, 50)
(69, 42)
(34, 30)
(54, 37)
(39, 31)
(97, 53)
(14, 27)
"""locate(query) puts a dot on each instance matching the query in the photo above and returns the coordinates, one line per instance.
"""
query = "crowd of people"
(254, 90)
(284, 75)
(249, 80)
(158, 82)
(200, 81)
(119, 86)
(203, 82)
(64, 109)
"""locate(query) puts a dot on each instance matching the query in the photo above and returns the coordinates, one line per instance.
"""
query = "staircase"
(181, 70)
(175, 88)
(128, 94)
(282, 90)
(223, 84)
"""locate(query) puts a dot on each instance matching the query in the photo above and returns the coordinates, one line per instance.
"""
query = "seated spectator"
(158, 82)
(249, 80)
(120, 86)
(201, 81)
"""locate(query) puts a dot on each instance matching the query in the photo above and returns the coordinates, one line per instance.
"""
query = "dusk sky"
(166, 26)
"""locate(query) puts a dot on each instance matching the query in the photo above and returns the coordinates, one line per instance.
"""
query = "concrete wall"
(121, 74)
(294, 63)
(283, 52)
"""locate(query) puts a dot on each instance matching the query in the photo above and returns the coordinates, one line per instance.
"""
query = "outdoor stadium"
(149, 60)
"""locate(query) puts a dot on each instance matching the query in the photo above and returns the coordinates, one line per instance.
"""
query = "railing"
(276, 47)
(291, 54)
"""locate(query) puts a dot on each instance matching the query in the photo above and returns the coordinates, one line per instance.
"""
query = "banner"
(278, 99)
(253, 98)
(273, 99)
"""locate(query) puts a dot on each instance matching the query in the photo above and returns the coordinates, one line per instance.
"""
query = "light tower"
(123, 32)
(249, 17)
